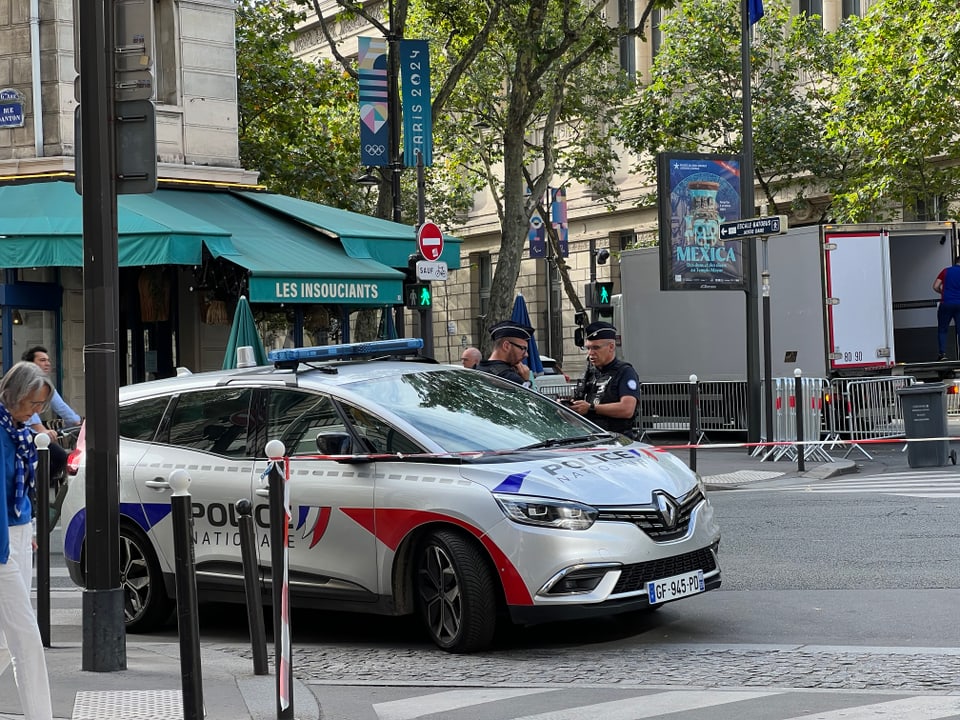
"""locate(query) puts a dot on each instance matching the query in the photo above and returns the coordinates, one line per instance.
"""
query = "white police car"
(415, 488)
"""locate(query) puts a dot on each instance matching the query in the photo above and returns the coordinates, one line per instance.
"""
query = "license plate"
(678, 586)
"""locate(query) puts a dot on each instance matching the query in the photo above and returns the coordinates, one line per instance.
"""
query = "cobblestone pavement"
(800, 667)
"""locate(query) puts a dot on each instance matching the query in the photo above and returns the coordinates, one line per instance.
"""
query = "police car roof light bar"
(294, 356)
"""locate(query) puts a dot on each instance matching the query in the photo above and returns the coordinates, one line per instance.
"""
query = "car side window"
(382, 437)
(297, 417)
(213, 421)
(140, 420)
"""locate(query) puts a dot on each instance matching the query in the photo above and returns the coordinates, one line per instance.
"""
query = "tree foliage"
(297, 120)
(896, 115)
(693, 102)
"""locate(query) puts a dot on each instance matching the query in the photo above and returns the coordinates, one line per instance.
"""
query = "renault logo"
(667, 507)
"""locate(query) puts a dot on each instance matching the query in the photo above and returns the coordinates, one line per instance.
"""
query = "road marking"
(442, 702)
(648, 706)
(914, 708)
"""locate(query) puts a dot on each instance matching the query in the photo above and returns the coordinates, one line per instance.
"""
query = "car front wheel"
(145, 601)
(456, 593)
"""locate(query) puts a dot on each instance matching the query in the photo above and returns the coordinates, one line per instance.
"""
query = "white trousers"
(18, 623)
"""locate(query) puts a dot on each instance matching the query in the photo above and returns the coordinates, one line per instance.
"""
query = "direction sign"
(430, 241)
(431, 270)
(770, 225)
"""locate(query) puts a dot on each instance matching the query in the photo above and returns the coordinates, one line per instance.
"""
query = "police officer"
(610, 388)
(510, 342)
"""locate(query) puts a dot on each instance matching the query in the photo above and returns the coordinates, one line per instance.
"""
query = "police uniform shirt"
(607, 385)
(501, 369)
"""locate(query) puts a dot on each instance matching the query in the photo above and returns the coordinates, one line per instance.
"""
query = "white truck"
(845, 301)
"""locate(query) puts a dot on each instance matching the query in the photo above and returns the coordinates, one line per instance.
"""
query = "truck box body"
(845, 301)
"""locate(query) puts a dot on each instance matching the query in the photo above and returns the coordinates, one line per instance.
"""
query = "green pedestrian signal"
(419, 296)
(426, 299)
(604, 292)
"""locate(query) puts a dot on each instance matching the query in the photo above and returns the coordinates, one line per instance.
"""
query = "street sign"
(770, 225)
(431, 270)
(11, 108)
(430, 241)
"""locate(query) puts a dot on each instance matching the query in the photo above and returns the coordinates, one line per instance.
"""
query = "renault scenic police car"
(415, 488)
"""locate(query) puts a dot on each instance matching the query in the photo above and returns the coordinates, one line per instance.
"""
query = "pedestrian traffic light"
(419, 296)
(599, 294)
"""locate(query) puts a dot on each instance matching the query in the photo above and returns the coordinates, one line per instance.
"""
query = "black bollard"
(694, 421)
(798, 395)
(279, 524)
(42, 441)
(188, 624)
(251, 583)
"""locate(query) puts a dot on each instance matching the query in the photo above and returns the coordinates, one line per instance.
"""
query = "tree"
(895, 111)
(297, 120)
(693, 102)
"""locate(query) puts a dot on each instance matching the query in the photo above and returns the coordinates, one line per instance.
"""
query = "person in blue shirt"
(948, 285)
(39, 356)
(24, 390)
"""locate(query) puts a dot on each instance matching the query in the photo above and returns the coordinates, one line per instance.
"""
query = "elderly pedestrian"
(24, 390)
(470, 358)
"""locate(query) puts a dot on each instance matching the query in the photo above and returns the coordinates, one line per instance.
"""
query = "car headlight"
(547, 512)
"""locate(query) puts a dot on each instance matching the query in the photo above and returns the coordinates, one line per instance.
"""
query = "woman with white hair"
(24, 390)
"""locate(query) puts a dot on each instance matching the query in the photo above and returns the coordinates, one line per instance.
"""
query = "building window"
(851, 8)
(811, 7)
(656, 37)
(483, 278)
(926, 209)
(166, 67)
(628, 55)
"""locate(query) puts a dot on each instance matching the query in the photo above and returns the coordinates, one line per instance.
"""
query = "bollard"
(188, 624)
(798, 395)
(251, 582)
(42, 441)
(694, 421)
(279, 526)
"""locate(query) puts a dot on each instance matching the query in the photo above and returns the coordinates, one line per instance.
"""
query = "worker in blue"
(510, 342)
(610, 390)
(948, 285)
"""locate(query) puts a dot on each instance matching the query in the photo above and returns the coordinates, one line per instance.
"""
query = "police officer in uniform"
(510, 341)
(610, 389)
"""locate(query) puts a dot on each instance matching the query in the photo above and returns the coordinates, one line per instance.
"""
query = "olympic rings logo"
(374, 150)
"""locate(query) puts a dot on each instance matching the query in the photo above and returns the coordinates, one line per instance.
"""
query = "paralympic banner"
(374, 107)
(695, 194)
(417, 110)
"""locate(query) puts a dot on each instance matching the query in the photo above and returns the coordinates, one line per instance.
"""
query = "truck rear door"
(859, 299)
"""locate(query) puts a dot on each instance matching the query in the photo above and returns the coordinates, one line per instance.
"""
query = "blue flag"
(756, 10)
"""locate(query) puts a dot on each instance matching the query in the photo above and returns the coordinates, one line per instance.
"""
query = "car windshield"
(467, 410)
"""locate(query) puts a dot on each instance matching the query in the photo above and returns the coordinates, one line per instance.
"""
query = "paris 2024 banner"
(696, 193)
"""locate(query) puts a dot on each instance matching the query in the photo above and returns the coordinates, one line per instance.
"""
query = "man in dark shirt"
(510, 341)
(610, 389)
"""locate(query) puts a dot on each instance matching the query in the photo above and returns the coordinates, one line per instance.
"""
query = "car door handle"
(262, 492)
(157, 484)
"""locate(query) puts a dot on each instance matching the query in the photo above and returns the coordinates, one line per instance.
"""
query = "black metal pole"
(42, 442)
(694, 421)
(188, 622)
(754, 400)
(594, 312)
(798, 399)
(282, 644)
(251, 583)
(767, 348)
(393, 101)
(426, 314)
(104, 639)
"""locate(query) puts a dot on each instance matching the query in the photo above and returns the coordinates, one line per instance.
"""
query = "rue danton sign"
(11, 108)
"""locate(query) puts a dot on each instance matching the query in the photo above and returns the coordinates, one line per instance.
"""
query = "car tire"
(145, 602)
(456, 593)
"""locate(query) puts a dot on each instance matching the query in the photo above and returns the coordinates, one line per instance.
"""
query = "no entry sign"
(430, 241)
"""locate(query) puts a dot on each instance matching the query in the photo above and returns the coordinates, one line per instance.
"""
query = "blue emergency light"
(292, 356)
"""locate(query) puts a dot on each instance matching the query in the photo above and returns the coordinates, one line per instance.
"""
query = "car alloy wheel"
(145, 603)
(456, 594)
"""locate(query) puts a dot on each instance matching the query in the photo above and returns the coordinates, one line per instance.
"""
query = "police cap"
(510, 329)
(601, 331)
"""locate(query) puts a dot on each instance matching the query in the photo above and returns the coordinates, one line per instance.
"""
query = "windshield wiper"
(557, 442)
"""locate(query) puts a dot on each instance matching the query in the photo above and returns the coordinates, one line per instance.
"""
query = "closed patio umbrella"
(520, 315)
(244, 333)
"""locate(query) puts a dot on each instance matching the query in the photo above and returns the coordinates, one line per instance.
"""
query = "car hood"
(606, 475)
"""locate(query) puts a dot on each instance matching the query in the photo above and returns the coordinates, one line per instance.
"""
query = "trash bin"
(925, 416)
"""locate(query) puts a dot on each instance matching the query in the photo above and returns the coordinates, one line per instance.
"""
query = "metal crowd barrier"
(559, 390)
(785, 419)
(665, 407)
(865, 409)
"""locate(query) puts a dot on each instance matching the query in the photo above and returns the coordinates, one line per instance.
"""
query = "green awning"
(362, 236)
(41, 225)
(288, 262)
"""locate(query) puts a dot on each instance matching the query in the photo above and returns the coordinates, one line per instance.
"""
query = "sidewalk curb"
(830, 469)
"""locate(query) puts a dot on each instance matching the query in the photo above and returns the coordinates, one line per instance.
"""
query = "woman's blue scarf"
(25, 461)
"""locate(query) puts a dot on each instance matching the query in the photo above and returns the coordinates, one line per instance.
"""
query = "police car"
(415, 488)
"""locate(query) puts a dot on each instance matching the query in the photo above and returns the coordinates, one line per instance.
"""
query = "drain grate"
(128, 705)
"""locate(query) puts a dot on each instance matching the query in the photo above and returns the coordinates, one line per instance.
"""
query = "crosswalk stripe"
(648, 706)
(915, 708)
(441, 702)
